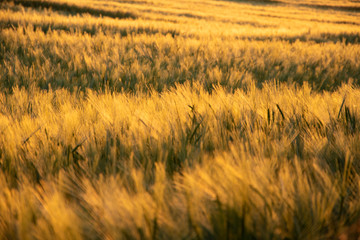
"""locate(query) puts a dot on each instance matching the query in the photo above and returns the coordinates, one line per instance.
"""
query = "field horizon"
(189, 119)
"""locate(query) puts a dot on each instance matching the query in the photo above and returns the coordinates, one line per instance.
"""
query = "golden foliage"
(179, 119)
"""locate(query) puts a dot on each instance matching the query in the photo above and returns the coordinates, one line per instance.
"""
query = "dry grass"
(183, 120)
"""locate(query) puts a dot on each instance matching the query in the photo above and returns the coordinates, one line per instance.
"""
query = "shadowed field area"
(336, 8)
(73, 9)
(179, 119)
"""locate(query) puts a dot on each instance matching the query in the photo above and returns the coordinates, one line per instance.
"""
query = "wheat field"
(187, 119)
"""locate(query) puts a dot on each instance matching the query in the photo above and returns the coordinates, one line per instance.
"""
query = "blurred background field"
(158, 119)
